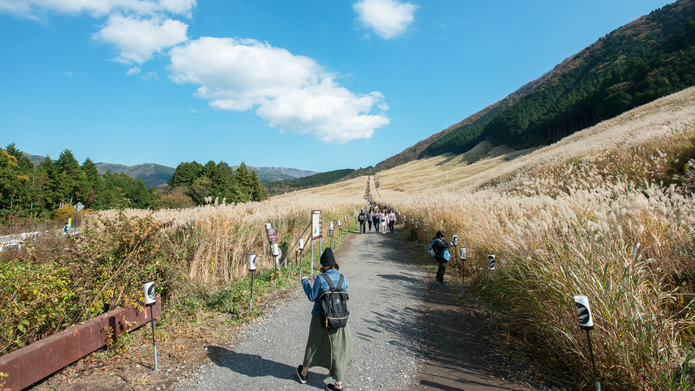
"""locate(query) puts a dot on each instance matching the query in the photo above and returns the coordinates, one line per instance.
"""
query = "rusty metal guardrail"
(32, 363)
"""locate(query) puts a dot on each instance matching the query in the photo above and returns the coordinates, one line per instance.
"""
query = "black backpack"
(333, 302)
(361, 217)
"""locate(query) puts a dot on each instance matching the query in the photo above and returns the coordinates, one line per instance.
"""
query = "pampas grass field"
(607, 212)
(220, 237)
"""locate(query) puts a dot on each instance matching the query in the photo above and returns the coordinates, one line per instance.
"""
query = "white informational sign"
(491, 262)
(455, 240)
(316, 224)
(150, 296)
(79, 206)
(463, 253)
(301, 244)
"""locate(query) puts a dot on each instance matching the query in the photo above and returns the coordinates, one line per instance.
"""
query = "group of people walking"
(380, 219)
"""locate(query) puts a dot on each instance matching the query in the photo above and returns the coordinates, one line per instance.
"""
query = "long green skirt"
(328, 348)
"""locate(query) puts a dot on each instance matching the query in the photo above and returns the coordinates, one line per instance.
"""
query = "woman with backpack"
(377, 219)
(439, 246)
(330, 348)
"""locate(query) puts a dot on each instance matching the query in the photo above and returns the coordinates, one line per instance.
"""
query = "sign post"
(276, 255)
(330, 233)
(301, 250)
(252, 268)
(271, 233)
(586, 322)
(491, 267)
(455, 243)
(150, 300)
(463, 267)
(316, 233)
(78, 208)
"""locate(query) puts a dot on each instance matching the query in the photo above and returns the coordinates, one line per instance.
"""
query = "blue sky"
(317, 85)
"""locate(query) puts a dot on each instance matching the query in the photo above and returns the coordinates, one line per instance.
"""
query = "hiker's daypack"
(430, 250)
(446, 255)
(360, 217)
(333, 302)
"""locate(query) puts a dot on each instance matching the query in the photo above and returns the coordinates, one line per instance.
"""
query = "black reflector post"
(252, 268)
(586, 322)
(150, 300)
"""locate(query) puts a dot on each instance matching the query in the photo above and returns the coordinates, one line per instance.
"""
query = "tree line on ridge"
(50, 189)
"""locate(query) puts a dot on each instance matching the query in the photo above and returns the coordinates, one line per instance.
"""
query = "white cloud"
(388, 18)
(138, 39)
(291, 92)
(36, 9)
(138, 28)
(133, 71)
(71, 74)
(150, 76)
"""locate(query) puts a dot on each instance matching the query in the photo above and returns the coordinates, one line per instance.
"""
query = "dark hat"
(327, 258)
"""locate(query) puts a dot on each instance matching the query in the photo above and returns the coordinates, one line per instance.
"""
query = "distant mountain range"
(155, 174)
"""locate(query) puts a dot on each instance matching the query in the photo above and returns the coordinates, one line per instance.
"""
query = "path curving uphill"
(392, 335)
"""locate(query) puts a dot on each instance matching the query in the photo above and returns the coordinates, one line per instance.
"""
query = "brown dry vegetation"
(607, 212)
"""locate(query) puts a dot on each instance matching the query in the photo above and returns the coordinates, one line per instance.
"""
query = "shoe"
(442, 283)
(332, 387)
(302, 379)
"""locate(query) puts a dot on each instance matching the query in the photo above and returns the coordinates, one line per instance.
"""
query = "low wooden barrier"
(32, 363)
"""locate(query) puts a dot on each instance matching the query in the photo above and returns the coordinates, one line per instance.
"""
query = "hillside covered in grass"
(324, 178)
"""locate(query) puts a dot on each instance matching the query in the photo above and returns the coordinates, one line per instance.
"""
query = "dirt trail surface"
(407, 333)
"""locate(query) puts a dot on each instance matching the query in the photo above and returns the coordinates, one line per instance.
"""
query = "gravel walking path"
(409, 333)
(385, 294)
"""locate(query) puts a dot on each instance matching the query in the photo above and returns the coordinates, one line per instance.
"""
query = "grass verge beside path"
(463, 351)
(183, 333)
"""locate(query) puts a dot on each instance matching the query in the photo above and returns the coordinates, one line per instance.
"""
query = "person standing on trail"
(362, 217)
(327, 348)
(383, 221)
(370, 218)
(377, 219)
(392, 220)
(439, 246)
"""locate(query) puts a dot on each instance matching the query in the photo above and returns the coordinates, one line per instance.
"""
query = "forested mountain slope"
(648, 58)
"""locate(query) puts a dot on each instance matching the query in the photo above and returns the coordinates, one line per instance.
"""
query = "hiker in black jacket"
(362, 217)
(439, 246)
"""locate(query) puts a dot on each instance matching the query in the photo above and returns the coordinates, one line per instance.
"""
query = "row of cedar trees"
(217, 181)
(48, 190)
